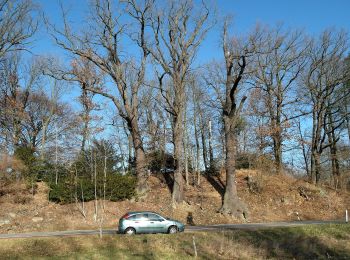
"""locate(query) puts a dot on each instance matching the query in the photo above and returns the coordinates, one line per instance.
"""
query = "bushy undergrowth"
(115, 188)
(93, 174)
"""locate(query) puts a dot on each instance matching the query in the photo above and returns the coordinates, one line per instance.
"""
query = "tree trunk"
(130, 145)
(317, 167)
(347, 118)
(204, 145)
(177, 195)
(185, 143)
(140, 158)
(275, 117)
(163, 145)
(197, 148)
(332, 142)
(305, 155)
(211, 154)
(56, 154)
(231, 204)
(141, 171)
(335, 166)
(314, 142)
(277, 149)
(43, 139)
(230, 114)
(85, 132)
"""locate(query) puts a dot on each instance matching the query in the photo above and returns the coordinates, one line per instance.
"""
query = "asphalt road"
(188, 229)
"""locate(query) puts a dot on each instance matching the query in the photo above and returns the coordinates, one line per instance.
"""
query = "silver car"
(148, 222)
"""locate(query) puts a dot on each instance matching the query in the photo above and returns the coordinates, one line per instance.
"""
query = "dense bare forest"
(276, 100)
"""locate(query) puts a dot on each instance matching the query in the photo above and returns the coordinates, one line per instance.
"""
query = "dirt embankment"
(269, 198)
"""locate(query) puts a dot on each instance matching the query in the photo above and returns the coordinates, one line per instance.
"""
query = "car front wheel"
(130, 231)
(172, 230)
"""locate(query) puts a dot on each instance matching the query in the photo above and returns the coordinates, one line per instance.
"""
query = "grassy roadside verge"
(306, 242)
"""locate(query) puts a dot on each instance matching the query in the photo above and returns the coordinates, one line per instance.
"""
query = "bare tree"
(86, 75)
(323, 78)
(177, 32)
(277, 69)
(233, 57)
(153, 121)
(28, 116)
(20, 99)
(196, 136)
(13, 101)
(16, 24)
(238, 54)
(101, 45)
(199, 115)
(53, 108)
(345, 108)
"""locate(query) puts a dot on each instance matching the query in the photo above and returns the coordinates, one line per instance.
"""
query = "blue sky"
(311, 15)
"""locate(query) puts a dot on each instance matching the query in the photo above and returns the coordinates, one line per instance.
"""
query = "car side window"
(154, 217)
(141, 216)
(137, 217)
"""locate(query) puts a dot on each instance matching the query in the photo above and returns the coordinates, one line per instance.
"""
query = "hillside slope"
(269, 198)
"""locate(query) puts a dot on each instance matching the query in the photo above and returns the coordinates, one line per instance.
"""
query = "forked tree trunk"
(231, 113)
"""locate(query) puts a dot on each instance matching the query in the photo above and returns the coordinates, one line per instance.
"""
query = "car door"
(137, 221)
(156, 223)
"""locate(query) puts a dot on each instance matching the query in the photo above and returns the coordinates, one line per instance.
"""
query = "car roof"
(141, 212)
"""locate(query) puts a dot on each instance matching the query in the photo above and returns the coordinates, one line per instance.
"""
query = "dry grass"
(309, 242)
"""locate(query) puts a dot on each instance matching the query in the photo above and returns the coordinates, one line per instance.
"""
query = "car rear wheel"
(130, 231)
(172, 230)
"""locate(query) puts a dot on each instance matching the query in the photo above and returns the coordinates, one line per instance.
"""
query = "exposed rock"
(12, 215)
(37, 219)
(4, 222)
